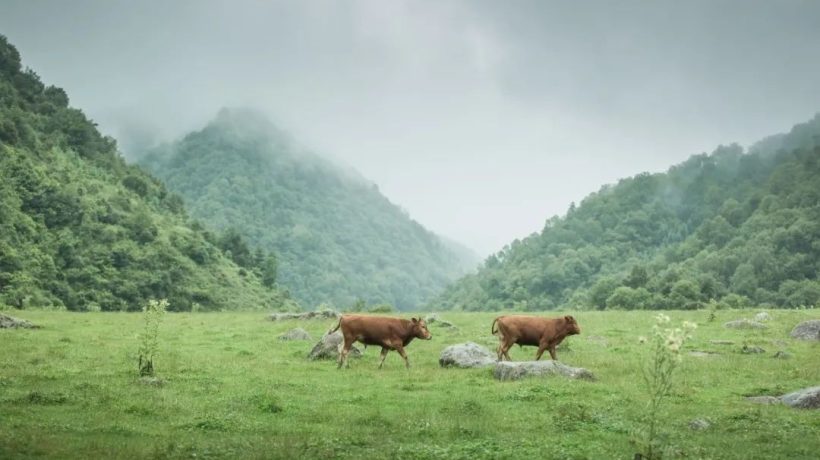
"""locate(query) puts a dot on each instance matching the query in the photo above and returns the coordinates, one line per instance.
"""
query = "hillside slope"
(734, 227)
(337, 238)
(83, 230)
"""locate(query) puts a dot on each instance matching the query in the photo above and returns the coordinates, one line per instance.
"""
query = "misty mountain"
(337, 238)
(83, 230)
(737, 228)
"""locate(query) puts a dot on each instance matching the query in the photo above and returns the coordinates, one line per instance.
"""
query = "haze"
(480, 118)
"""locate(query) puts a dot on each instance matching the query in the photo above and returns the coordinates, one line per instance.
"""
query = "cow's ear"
(415, 320)
(569, 318)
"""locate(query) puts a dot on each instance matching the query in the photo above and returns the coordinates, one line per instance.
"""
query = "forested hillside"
(742, 229)
(83, 230)
(337, 238)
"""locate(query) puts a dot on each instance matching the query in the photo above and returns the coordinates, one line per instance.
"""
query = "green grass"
(232, 390)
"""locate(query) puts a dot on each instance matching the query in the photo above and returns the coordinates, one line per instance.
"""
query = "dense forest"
(732, 228)
(83, 230)
(338, 239)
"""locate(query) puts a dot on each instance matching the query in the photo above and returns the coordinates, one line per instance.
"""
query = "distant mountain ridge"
(337, 238)
(732, 228)
(81, 229)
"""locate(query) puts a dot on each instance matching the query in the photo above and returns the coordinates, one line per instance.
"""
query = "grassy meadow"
(231, 389)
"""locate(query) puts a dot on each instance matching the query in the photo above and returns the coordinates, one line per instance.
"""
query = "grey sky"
(482, 119)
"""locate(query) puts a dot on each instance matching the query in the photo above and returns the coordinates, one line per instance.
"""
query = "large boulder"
(509, 370)
(468, 354)
(10, 322)
(745, 324)
(328, 347)
(321, 314)
(295, 334)
(807, 330)
(807, 398)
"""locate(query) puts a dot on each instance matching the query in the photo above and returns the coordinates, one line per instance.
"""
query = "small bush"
(149, 339)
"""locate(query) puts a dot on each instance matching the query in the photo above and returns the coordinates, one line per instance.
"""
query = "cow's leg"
(400, 349)
(540, 351)
(345, 351)
(552, 352)
(498, 351)
(383, 355)
(505, 348)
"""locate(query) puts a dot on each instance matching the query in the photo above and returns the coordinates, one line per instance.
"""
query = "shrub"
(153, 313)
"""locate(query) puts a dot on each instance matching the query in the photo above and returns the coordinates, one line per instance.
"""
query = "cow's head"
(572, 325)
(420, 329)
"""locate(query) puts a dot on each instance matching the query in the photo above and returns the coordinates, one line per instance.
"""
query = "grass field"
(232, 390)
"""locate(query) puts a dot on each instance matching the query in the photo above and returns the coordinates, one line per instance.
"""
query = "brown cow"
(388, 333)
(546, 333)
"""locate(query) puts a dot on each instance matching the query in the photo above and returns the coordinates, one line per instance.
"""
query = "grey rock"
(807, 398)
(745, 324)
(296, 334)
(328, 347)
(807, 330)
(767, 400)
(321, 314)
(507, 370)
(783, 355)
(751, 350)
(763, 316)
(722, 342)
(10, 322)
(699, 424)
(442, 323)
(468, 354)
(431, 318)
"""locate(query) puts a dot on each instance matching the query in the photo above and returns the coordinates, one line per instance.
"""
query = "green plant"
(658, 374)
(149, 339)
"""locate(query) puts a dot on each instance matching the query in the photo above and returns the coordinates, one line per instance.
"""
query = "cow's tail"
(338, 325)
(493, 330)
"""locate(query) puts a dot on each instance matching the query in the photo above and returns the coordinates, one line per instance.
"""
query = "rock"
(431, 318)
(322, 314)
(763, 316)
(807, 330)
(751, 350)
(702, 354)
(767, 400)
(295, 334)
(442, 323)
(508, 370)
(783, 355)
(807, 398)
(10, 322)
(722, 342)
(699, 424)
(745, 324)
(152, 381)
(468, 354)
(328, 347)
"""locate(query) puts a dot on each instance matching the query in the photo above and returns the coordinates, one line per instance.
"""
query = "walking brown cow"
(388, 333)
(546, 333)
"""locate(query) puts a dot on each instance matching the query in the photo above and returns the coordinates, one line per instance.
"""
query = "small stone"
(468, 354)
(763, 316)
(766, 400)
(702, 354)
(783, 355)
(751, 350)
(295, 334)
(699, 424)
(745, 324)
(722, 342)
(152, 381)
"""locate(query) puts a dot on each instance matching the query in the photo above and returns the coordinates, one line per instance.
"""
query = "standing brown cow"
(546, 333)
(388, 333)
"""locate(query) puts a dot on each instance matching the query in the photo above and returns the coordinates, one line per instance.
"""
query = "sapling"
(153, 313)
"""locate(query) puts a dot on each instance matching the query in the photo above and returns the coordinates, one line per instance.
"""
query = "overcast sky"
(480, 118)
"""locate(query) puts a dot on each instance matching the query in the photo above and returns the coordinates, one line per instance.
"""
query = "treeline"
(81, 229)
(729, 229)
(337, 239)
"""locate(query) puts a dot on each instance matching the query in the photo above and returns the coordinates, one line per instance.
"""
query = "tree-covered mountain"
(337, 238)
(738, 228)
(81, 229)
